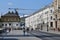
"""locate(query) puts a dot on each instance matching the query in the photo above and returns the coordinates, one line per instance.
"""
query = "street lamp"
(41, 26)
(47, 26)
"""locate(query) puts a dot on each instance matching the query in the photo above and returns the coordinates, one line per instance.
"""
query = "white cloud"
(10, 3)
(24, 16)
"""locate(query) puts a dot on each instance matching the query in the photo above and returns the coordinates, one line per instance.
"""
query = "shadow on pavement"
(44, 37)
(8, 39)
(48, 36)
(51, 34)
(16, 36)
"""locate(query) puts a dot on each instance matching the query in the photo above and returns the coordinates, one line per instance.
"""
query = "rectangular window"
(8, 19)
(51, 11)
(2, 24)
(51, 18)
(9, 24)
(56, 16)
(58, 9)
(5, 24)
(51, 24)
(16, 24)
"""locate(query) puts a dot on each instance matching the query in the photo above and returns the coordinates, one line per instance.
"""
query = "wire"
(21, 9)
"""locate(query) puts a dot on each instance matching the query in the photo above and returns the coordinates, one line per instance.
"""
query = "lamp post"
(47, 21)
(41, 26)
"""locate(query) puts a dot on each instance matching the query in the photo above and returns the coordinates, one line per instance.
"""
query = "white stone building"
(41, 18)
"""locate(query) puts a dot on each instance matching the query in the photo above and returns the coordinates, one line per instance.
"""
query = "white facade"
(11, 24)
(40, 18)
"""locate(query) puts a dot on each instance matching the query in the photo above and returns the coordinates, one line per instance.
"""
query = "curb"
(53, 32)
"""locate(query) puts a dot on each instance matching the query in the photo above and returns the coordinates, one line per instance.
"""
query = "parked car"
(1, 30)
(7, 29)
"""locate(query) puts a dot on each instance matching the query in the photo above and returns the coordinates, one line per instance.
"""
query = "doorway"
(56, 24)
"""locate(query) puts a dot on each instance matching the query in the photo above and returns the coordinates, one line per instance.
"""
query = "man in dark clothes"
(9, 29)
(24, 31)
(27, 30)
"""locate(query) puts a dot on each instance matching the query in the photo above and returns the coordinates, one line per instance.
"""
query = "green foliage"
(0, 24)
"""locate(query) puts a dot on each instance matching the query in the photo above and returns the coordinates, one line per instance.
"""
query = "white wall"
(39, 17)
(13, 24)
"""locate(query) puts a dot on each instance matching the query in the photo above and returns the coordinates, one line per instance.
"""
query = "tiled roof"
(45, 7)
(10, 14)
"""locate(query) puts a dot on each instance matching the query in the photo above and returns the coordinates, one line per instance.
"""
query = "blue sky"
(25, 4)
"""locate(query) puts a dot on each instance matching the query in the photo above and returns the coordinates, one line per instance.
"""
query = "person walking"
(24, 31)
(9, 29)
(27, 30)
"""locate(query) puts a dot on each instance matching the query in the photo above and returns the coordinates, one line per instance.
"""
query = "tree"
(0, 23)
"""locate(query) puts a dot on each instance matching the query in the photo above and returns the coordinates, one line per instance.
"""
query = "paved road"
(45, 35)
(18, 35)
(33, 35)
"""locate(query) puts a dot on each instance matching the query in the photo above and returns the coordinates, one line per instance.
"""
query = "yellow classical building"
(56, 5)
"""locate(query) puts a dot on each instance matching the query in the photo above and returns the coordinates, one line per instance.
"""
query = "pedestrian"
(27, 30)
(24, 31)
(9, 29)
(32, 29)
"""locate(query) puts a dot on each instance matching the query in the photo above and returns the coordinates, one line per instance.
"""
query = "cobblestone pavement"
(18, 35)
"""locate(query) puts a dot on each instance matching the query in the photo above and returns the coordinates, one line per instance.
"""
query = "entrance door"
(51, 24)
(56, 24)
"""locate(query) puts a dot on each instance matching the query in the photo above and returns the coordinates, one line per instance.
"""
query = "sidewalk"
(51, 31)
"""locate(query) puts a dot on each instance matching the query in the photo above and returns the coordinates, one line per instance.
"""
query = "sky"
(23, 4)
